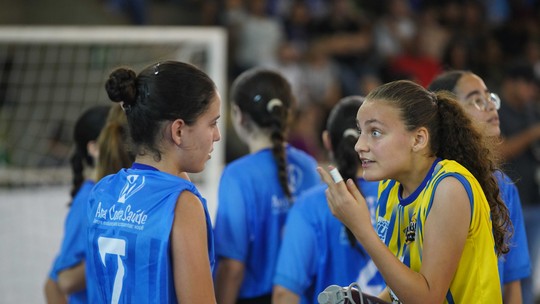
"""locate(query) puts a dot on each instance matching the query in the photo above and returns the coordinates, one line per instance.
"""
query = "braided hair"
(267, 97)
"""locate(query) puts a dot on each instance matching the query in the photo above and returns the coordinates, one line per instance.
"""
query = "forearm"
(282, 295)
(229, 277)
(515, 145)
(512, 293)
(72, 279)
(53, 294)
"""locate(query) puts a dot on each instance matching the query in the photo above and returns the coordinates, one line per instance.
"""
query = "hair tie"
(350, 132)
(434, 98)
(126, 107)
(272, 104)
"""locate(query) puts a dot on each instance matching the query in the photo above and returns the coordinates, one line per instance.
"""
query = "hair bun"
(122, 86)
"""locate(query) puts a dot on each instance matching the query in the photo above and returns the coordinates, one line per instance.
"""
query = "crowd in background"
(330, 49)
(333, 48)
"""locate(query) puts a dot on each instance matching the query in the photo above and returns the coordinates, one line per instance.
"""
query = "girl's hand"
(346, 202)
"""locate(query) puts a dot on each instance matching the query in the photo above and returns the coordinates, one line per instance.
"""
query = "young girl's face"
(470, 89)
(200, 137)
(384, 145)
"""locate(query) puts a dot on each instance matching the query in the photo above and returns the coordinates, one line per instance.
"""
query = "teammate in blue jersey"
(440, 220)
(317, 249)
(71, 255)
(257, 190)
(482, 106)
(150, 238)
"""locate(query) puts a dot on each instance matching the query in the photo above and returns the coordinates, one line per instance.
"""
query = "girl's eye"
(375, 133)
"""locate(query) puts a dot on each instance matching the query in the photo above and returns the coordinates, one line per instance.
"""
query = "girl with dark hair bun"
(257, 190)
(438, 212)
(150, 236)
(317, 249)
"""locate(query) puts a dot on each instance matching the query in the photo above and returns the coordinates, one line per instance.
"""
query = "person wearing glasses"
(482, 105)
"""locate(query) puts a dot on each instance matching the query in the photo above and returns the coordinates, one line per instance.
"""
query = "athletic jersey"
(317, 253)
(252, 210)
(129, 251)
(400, 225)
(516, 264)
(72, 251)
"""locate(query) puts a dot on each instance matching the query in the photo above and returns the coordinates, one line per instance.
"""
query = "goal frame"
(215, 39)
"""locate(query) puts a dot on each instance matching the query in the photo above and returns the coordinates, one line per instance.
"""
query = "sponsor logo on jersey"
(133, 185)
(382, 228)
(295, 177)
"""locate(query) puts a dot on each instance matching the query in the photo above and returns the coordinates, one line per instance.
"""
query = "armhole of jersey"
(382, 200)
(465, 184)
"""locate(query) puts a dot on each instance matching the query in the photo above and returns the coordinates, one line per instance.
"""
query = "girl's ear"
(327, 143)
(176, 129)
(239, 118)
(93, 149)
(420, 139)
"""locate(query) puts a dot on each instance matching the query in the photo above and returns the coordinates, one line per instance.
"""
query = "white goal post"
(49, 75)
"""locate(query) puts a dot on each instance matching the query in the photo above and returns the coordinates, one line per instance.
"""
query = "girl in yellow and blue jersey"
(440, 220)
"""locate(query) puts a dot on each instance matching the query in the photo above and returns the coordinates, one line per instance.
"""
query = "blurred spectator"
(520, 127)
(458, 54)
(298, 25)
(281, 8)
(321, 78)
(288, 64)
(394, 29)
(259, 36)
(135, 10)
(346, 35)
(433, 37)
(414, 63)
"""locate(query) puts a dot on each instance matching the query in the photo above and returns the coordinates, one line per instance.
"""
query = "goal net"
(50, 75)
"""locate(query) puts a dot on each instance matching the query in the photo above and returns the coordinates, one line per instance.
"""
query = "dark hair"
(114, 153)
(87, 129)
(340, 125)
(447, 81)
(343, 131)
(452, 136)
(267, 97)
(520, 71)
(162, 92)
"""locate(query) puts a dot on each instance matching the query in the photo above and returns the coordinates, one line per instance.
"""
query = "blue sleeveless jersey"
(129, 252)
(316, 252)
(516, 264)
(72, 251)
(252, 210)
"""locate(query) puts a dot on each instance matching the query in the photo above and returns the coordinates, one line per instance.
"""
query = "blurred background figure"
(520, 151)
(257, 190)
(318, 250)
(60, 286)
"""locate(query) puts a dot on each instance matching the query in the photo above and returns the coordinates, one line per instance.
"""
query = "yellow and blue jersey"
(401, 222)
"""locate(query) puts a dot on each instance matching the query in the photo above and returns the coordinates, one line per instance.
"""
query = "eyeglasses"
(481, 102)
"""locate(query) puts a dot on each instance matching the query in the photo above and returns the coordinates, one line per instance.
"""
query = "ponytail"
(461, 141)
